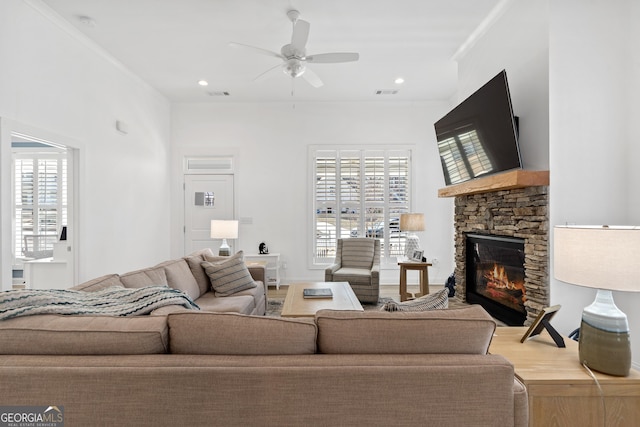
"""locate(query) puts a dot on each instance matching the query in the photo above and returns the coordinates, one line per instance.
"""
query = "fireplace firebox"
(496, 276)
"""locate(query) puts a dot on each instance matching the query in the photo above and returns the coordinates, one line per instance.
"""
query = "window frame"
(387, 260)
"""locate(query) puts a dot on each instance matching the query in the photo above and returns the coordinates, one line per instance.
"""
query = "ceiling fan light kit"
(294, 54)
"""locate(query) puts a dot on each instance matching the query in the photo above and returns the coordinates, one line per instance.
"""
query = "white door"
(206, 197)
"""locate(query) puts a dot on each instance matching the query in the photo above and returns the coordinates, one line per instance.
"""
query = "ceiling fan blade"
(333, 57)
(256, 49)
(265, 75)
(300, 34)
(312, 78)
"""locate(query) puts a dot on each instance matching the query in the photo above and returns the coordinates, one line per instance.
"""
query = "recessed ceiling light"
(86, 20)
(203, 83)
(399, 81)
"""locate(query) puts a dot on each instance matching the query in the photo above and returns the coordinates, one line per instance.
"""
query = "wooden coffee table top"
(297, 306)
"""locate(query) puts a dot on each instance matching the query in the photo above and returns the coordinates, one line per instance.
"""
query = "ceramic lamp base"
(411, 244)
(604, 351)
(604, 337)
(224, 249)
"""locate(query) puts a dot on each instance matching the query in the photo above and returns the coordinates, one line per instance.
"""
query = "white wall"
(51, 80)
(594, 87)
(272, 182)
(517, 43)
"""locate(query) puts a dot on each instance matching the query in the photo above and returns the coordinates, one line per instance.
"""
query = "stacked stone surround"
(521, 213)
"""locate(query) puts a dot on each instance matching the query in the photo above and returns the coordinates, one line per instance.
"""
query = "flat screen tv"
(479, 137)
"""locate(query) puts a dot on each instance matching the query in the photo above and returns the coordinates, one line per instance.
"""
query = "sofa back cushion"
(99, 283)
(194, 260)
(357, 253)
(145, 277)
(54, 334)
(179, 277)
(236, 334)
(458, 331)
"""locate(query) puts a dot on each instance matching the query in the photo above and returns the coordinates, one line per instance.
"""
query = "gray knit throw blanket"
(114, 301)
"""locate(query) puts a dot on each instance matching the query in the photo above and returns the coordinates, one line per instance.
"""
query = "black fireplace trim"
(505, 314)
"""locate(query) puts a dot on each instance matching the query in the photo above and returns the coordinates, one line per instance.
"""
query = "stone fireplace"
(511, 206)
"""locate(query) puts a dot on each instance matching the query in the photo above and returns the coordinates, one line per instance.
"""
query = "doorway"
(42, 213)
(206, 197)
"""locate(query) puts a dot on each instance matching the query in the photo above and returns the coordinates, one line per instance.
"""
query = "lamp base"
(604, 351)
(412, 243)
(224, 249)
(604, 337)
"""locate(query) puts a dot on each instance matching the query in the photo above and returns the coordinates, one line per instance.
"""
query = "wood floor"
(386, 291)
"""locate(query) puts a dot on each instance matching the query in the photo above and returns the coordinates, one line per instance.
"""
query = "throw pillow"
(436, 301)
(229, 276)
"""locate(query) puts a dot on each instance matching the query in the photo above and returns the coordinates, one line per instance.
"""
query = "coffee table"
(297, 306)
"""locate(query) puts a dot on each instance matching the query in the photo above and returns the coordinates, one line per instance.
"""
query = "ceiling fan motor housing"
(293, 67)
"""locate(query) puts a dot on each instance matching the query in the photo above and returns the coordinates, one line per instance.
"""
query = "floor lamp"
(411, 222)
(604, 258)
(224, 229)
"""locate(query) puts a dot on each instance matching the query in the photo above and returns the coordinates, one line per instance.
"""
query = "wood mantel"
(518, 178)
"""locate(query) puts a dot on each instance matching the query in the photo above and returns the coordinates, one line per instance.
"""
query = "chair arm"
(330, 271)
(375, 273)
(258, 273)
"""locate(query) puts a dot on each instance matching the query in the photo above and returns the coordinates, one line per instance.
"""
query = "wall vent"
(208, 165)
(387, 91)
(218, 93)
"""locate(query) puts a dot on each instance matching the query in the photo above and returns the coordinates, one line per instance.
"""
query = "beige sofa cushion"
(179, 277)
(53, 334)
(99, 283)
(464, 331)
(144, 277)
(194, 260)
(235, 334)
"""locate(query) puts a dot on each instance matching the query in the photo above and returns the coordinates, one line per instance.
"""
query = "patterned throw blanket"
(114, 301)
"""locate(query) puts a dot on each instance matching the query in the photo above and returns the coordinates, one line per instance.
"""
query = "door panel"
(206, 197)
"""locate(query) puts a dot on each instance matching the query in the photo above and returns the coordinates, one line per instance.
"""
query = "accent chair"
(357, 262)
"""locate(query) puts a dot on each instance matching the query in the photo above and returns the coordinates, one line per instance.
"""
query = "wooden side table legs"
(423, 268)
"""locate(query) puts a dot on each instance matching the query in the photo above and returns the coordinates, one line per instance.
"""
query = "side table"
(561, 391)
(422, 267)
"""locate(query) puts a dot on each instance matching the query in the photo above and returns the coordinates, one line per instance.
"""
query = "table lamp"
(411, 222)
(604, 258)
(224, 229)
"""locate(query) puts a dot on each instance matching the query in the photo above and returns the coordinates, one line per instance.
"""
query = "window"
(40, 202)
(360, 193)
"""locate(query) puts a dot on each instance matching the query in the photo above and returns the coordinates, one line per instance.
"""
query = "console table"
(423, 268)
(273, 266)
(561, 392)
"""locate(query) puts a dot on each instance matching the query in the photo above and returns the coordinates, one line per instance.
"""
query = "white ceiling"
(171, 44)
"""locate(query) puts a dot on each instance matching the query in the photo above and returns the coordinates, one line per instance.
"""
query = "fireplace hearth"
(496, 276)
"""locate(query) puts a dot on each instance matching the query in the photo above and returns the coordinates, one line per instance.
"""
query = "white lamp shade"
(412, 222)
(224, 229)
(598, 257)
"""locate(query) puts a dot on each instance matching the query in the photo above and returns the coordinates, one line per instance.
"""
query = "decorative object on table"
(224, 229)
(604, 258)
(263, 249)
(317, 293)
(416, 256)
(543, 322)
(411, 222)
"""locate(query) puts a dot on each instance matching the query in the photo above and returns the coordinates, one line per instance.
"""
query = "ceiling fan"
(294, 55)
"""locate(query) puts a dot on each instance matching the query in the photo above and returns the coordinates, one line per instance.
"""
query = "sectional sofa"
(204, 368)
